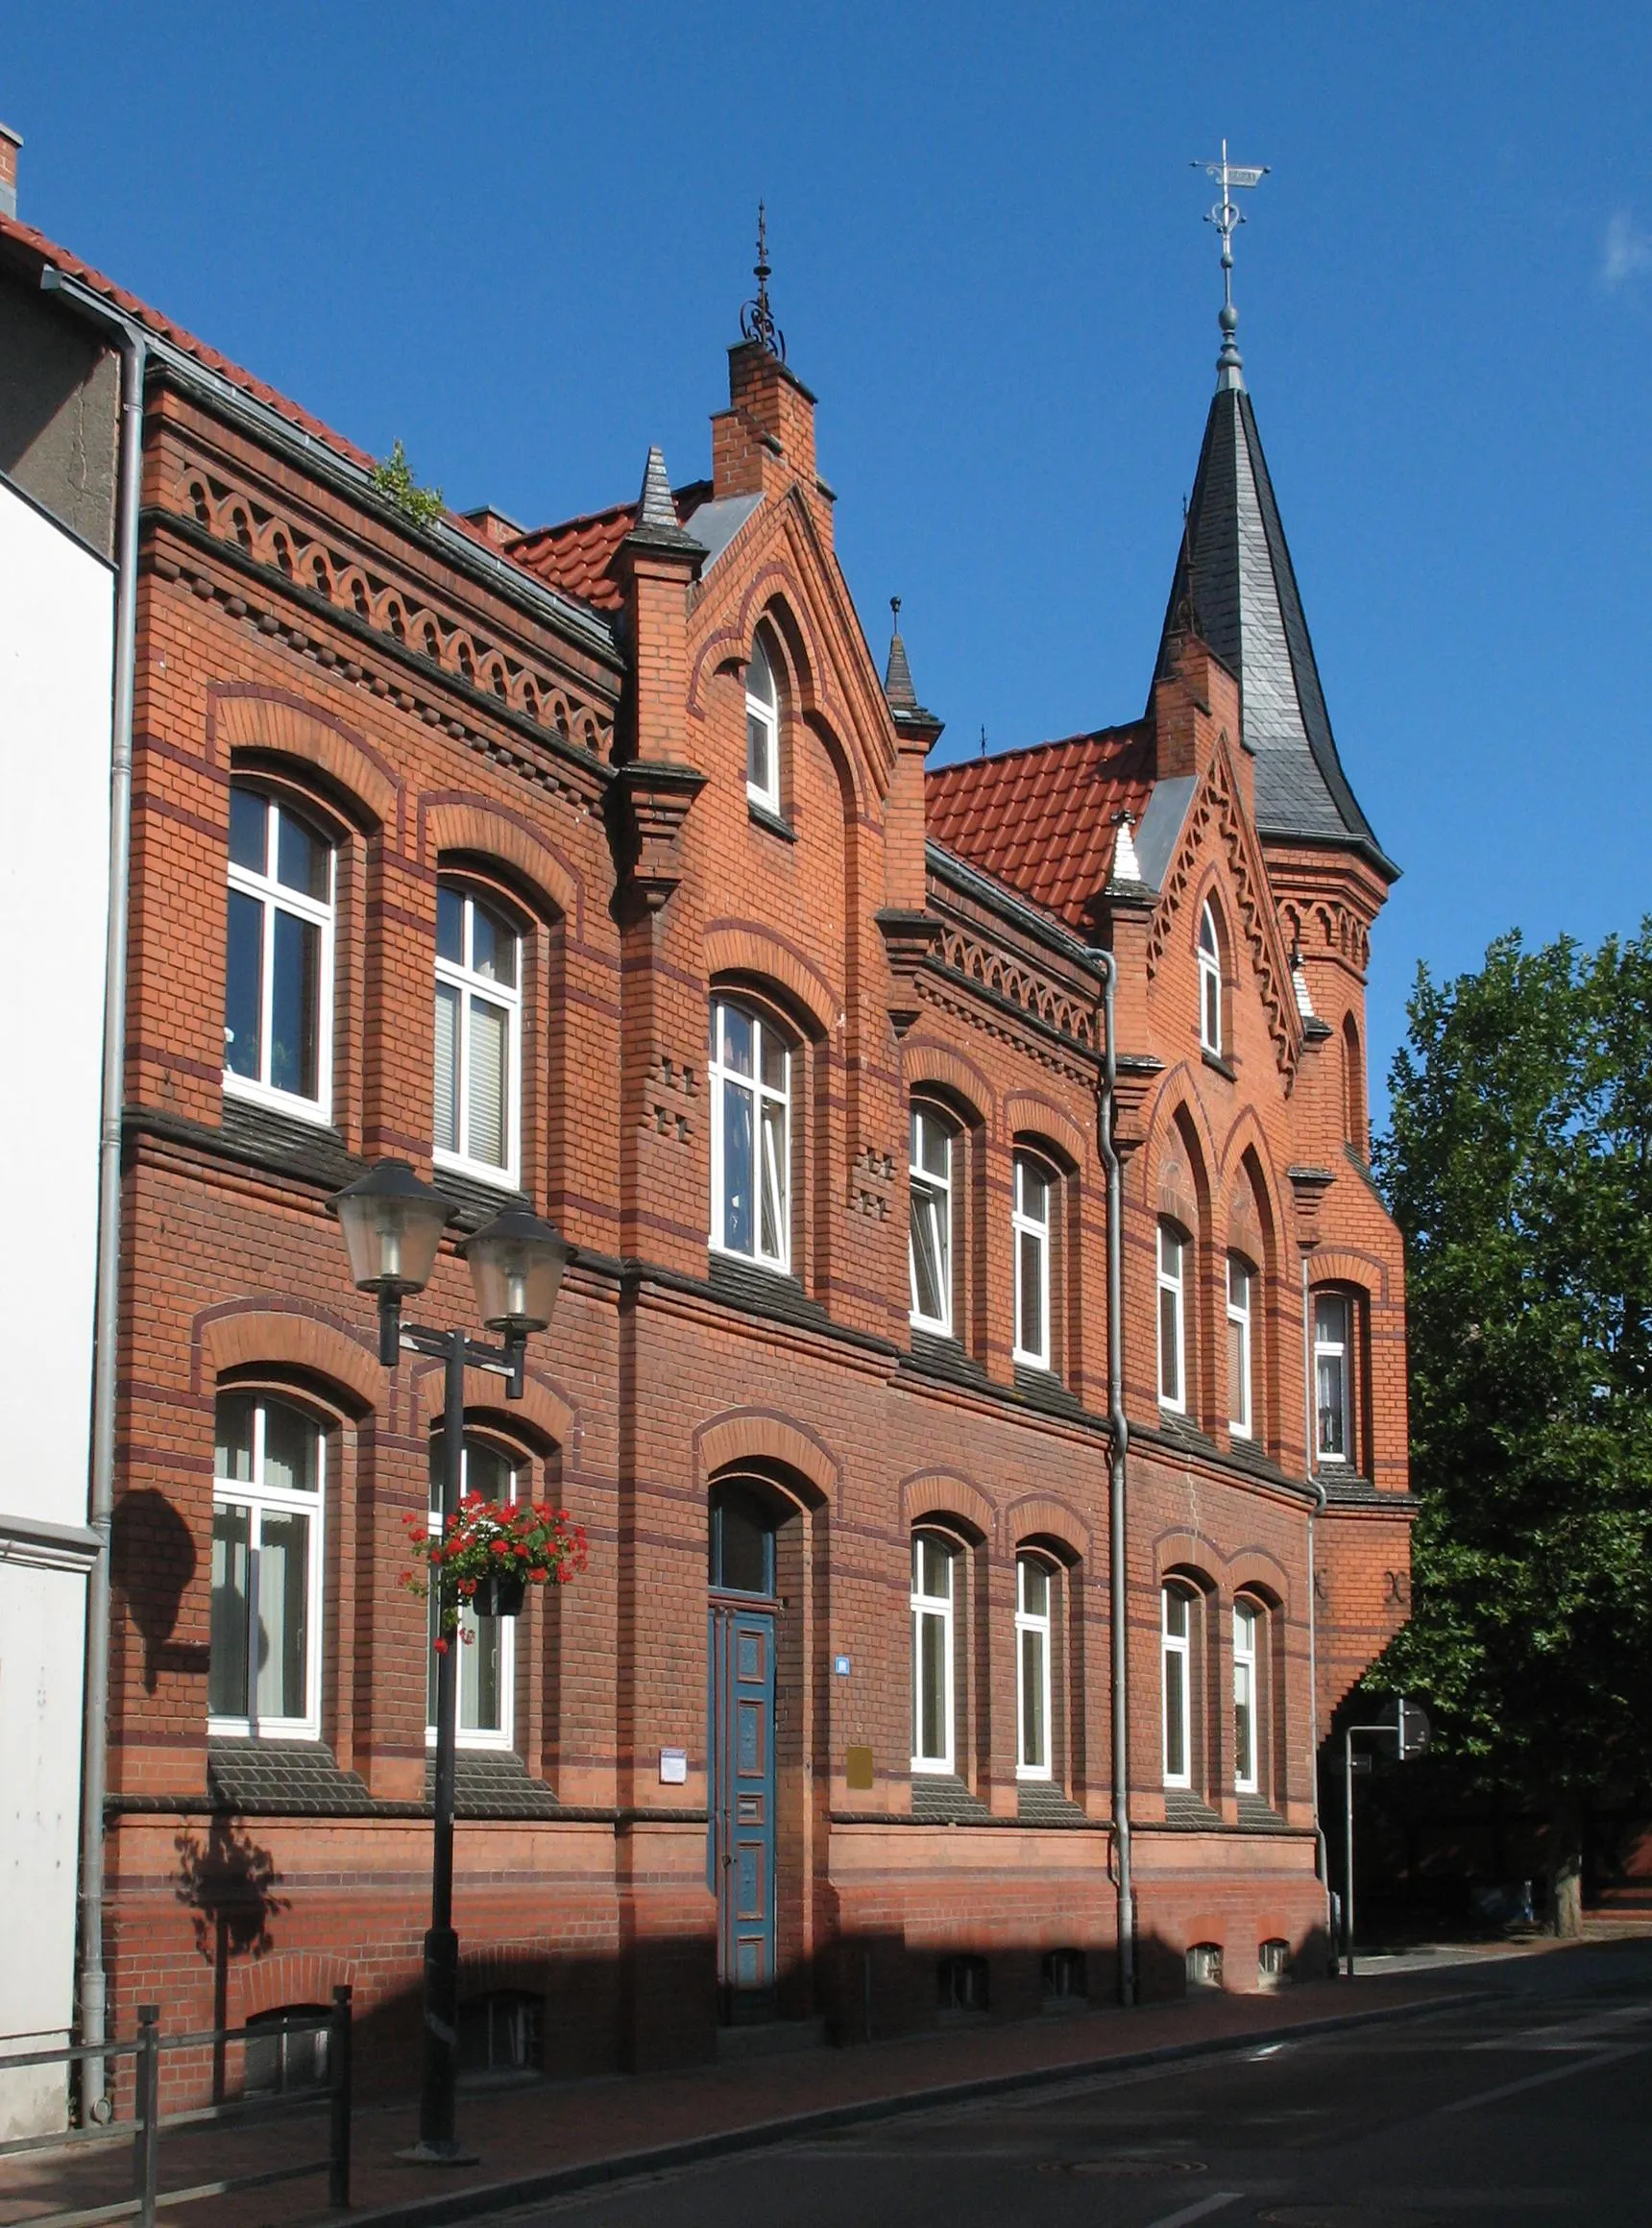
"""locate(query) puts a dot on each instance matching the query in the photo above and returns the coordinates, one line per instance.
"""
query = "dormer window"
(1210, 982)
(762, 730)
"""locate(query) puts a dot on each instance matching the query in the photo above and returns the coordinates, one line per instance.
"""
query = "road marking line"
(1212, 2204)
(1542, 2080)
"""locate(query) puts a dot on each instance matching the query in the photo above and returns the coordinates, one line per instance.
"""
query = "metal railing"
(145, 2130)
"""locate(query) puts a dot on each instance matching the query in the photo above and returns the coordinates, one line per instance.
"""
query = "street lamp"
(392, 1226)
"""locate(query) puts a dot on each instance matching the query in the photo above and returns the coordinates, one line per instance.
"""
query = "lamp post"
(392, 1226)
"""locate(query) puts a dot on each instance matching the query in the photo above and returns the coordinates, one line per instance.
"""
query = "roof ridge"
(1021, 750)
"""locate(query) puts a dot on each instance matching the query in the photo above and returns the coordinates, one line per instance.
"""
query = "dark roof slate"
(1235, 586)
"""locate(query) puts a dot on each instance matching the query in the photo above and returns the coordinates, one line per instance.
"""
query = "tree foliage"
(1518, 1166)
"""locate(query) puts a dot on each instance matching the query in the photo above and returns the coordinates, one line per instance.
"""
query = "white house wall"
(56, 604)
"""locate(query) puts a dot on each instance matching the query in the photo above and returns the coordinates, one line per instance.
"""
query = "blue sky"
(518, 238)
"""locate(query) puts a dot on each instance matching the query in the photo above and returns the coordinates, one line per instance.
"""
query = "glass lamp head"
(516, 1265)
(392, 1226)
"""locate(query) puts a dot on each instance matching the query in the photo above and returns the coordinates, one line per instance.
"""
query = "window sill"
(765, 817)
(287, 1103)
(1219, 1063)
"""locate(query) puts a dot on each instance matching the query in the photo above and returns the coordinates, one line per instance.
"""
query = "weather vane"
(1227, 216)
(756, 318)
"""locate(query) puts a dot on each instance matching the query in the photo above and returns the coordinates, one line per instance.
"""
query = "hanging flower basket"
(499, 1597)
(487, 1556)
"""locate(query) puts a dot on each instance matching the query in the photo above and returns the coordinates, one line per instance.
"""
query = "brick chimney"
(10, 143)
(764, 442)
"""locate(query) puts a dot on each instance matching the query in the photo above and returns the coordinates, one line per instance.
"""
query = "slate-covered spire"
(657, 512)
(1234, 585)
(899, 692)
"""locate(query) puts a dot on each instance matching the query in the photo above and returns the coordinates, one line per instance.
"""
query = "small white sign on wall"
(673, 1767)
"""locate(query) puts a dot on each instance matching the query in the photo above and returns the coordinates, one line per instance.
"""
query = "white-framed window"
(1333, 1377)
(478, 1036)
(749, 1074)
(1247, 1621)
(1209, 981)
(1030, 1224)
(277, 977)
(1172, 1317)
(487, 1645)
(935, 1572)
(930, 1250)
(268, 1509)
(1034, 1590)
(1175, 1653)
(761, 729)
(1241, 1284)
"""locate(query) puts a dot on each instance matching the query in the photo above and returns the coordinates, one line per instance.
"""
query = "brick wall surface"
(428, 719)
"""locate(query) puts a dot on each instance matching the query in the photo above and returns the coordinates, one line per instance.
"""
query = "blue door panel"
(742, 1837)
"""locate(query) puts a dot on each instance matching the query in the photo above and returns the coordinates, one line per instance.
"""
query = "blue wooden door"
(743, 1801)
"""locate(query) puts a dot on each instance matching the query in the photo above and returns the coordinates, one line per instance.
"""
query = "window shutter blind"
(447, 1069)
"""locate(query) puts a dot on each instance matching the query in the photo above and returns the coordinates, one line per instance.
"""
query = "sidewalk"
(542, 2139)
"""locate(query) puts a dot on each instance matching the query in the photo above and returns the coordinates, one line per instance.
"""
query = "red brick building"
(597, 866)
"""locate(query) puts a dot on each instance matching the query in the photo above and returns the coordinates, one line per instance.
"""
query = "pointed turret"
(899, 694)
(1234, 586)
(657, 526)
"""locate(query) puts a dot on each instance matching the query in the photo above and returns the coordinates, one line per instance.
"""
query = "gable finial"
(1227, 216)
(756, 318)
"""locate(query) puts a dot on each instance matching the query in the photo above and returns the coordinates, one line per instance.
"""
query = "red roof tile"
(577, 556)
(23, 243)
(1041, 820)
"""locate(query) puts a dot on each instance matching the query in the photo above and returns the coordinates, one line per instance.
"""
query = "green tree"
(1518, 1166)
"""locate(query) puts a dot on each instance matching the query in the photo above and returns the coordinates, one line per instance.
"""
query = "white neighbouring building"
(57, 626)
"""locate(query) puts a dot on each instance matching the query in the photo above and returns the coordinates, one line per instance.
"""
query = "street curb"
(549, 2182)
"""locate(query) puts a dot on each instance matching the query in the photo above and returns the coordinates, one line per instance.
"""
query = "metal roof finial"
(1227, 216)
(756, 318)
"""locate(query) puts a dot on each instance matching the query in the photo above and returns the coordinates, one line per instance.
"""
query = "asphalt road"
(1532, 2105)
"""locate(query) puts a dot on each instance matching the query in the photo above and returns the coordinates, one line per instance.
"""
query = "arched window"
(1247, 1695)
(1353, 1086)
(1034, 1610)
(761, 729)
(278, 982)
(1240, 1285)
(740, 1544)
(1176, 1656)
(478, 1034)
(268, 1498)
(749, 1074)
(935, 1573)
(487, 1645)
(1173, 1251)
(930, 1250)
(1209, 981)
(1034, 1191)
(1334, 1322)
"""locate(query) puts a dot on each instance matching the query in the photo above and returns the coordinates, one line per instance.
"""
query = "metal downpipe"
(1322, 1855)
(93, 2005)
(1118, 1573)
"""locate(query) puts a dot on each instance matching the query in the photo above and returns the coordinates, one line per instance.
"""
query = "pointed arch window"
(1240, 1285)
(1247, 1629)
(749, 1074)
(1209, 981)
(761, 729)
(1175, 1657)
(1172, 1317)
(930, 1246)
